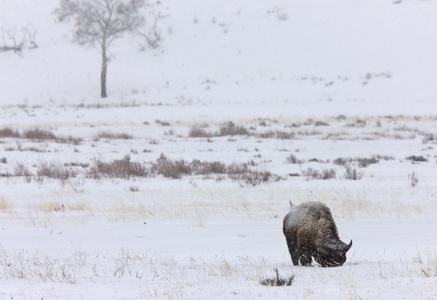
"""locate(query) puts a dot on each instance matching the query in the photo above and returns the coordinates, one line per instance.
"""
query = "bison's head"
(332, 254)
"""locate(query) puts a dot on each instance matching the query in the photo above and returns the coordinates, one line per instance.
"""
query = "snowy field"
(175, 186)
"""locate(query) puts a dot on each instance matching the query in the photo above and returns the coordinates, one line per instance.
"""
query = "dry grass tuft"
(128, 212)
(48, 207)
(5, 205)
(79, 206)
(278, 281)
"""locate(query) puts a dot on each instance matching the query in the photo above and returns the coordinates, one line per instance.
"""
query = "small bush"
(316, 160)
(134, 188)
(266, 135)
(362, 162)
(365, 162)
(9, 133)
(3, 160)
(328, 174)
(52, 170)
(385, 157)
(429, 138)
(415, 158)
(113, 136)
(232, 129)
(256, 177)
(206, 168)
(278, 281)
(39, 134)
(69, 140)
(162, 123)
(33, 149)
(320, 123)
(75, 164)
(292, 159)
(250, 177)
(196, 132)
(413, 179)
(285, 135)
(122, 168)
(171, 169)
(340, 161)
(23, 171)
(352, 174)
(311, 173)
(325, 174)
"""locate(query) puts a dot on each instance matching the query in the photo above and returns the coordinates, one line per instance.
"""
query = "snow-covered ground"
(313, 87)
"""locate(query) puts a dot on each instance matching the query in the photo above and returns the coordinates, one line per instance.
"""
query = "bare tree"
(15, 41)
(12, 36)
(101, 22)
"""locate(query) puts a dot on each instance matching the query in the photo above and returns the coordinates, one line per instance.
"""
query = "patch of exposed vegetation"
(278, 280)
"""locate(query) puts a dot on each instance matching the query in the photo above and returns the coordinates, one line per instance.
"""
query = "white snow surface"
(314, 80)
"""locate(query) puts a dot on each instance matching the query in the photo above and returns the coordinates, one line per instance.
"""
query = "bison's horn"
(349, 246)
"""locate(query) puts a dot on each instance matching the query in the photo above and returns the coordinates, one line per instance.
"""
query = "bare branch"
(31, 34)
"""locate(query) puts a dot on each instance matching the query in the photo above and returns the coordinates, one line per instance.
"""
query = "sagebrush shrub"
(196, 132)
(119, 168)
(415, 158)
(292, 159)
(352, 174)
(8, 132)
(113, 136)
(55, 171)
(232, 129)
(39, 134)
(171, 169)
(325, 174)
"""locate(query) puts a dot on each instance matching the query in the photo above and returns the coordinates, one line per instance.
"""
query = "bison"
(310, 231)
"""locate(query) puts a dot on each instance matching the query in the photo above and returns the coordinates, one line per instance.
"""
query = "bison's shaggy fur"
(310, 231)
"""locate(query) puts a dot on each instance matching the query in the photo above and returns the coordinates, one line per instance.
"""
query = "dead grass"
(129, 212)
(5, 205)
(48, 207)
(79, 206)
(427, 266)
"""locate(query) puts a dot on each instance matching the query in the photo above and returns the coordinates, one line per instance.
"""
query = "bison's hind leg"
(293, 248)
(306, 259)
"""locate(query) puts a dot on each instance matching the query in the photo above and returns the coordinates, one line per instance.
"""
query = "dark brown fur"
(310, 231)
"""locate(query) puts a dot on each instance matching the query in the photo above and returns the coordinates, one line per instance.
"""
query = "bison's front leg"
(293, 249)
(306, 259)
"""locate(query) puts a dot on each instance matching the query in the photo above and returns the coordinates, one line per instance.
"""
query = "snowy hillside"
(175, 185)
(336, 54)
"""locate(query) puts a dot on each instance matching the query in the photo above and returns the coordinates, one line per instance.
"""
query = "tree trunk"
(104, 70)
